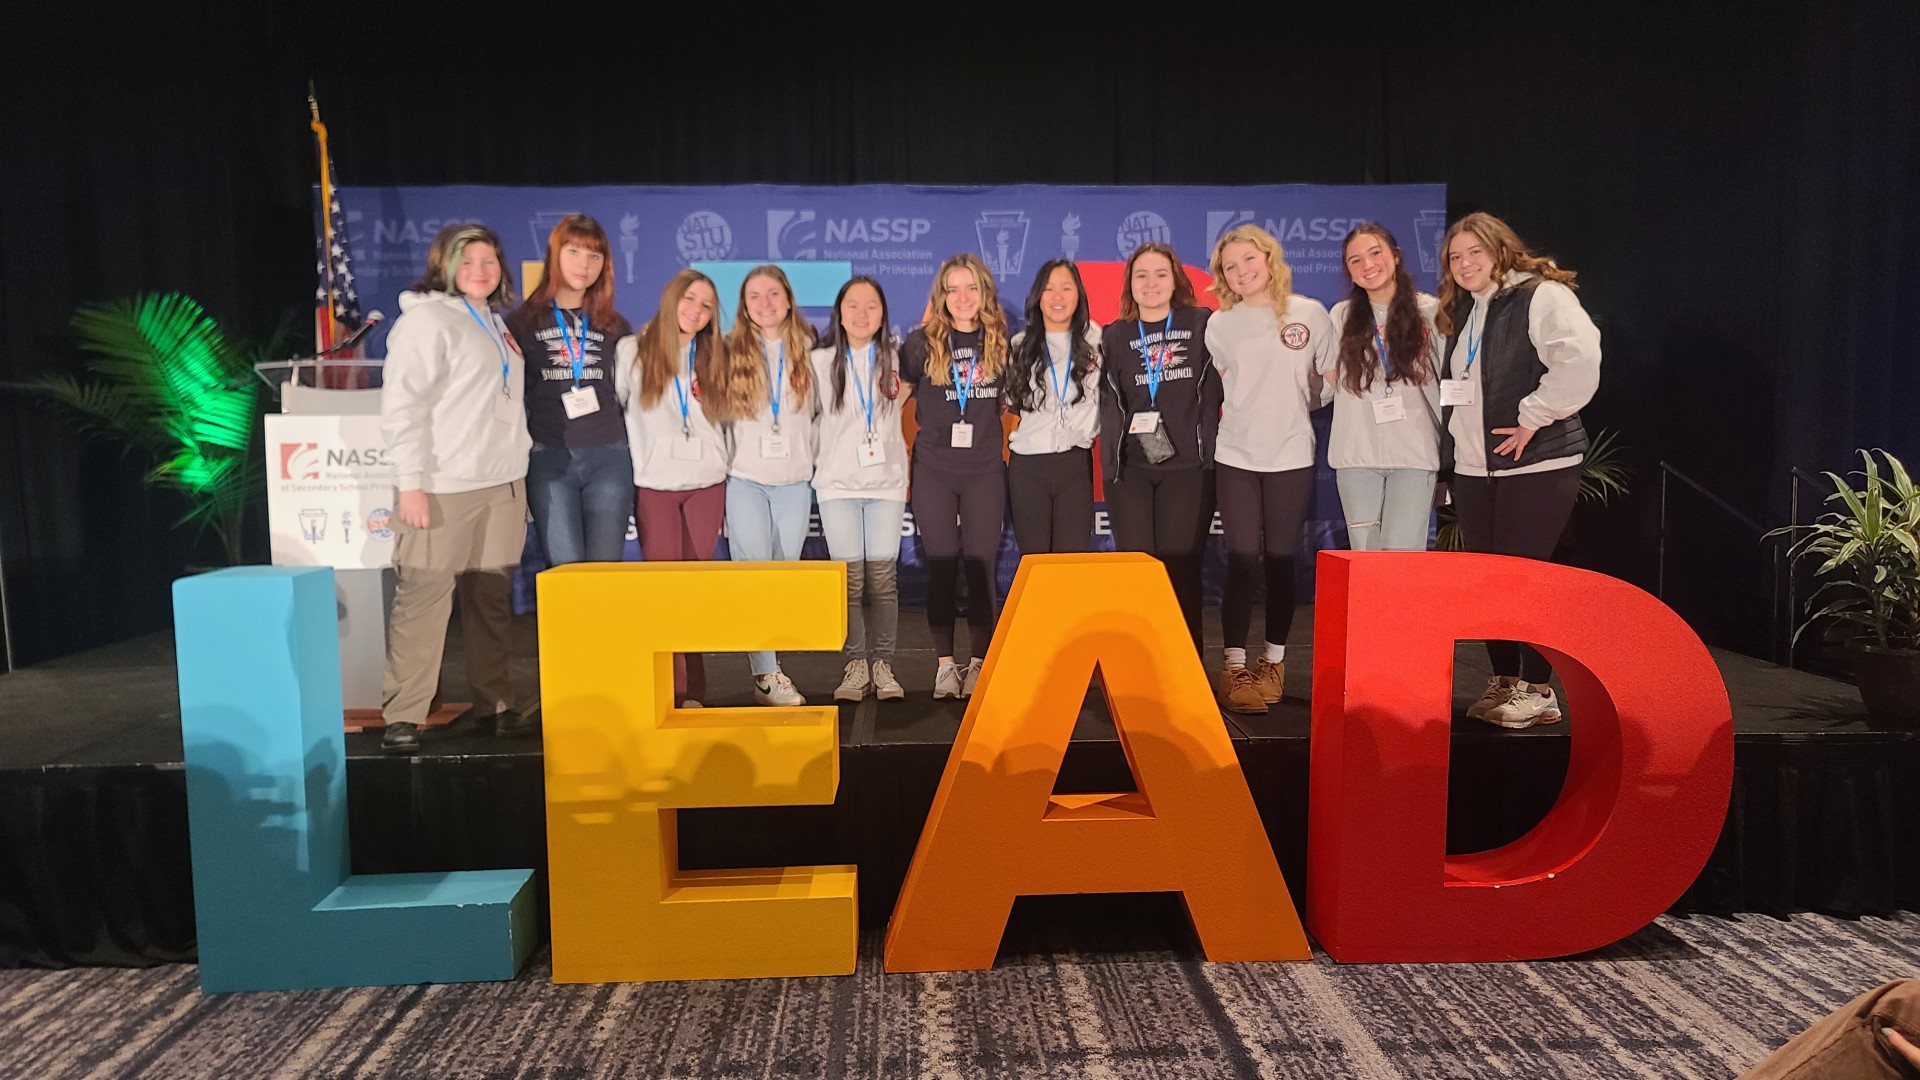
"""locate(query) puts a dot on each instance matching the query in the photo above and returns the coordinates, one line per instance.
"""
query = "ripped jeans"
(1386, 509)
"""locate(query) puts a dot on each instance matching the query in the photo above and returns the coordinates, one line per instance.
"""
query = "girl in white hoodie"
(769, 406)
(860, 477)
(669, 379)
(456, 433)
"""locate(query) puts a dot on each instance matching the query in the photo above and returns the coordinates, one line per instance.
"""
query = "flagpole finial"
(313, 102)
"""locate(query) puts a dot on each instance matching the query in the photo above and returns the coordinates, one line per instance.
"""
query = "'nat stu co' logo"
(299, 461)
(1141, 227)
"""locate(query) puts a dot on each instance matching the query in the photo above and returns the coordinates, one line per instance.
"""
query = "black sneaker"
(511, 725)
(401, 738)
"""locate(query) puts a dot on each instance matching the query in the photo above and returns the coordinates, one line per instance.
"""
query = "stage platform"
(94, 867)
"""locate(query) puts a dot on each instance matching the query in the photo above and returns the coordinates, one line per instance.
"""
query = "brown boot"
(1268, 675)
(1239, 693)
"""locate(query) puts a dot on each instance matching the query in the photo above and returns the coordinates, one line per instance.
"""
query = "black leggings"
(1052, 501)
(979, 502)
(1166, 513)
(1261, 513)
(1516, 515)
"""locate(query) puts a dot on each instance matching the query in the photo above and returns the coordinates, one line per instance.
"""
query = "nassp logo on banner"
(299, 461)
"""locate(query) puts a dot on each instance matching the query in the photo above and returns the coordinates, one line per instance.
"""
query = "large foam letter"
(998, 831)
(1650, 769)
(259, 662)
(621, 760)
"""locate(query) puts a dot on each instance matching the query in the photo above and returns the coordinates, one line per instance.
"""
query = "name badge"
(580, 401)
(774, 446)
(870, 452)
(962, 435)
(1456, 391)
(686, 448)
(1144, 423)
(1388, 409)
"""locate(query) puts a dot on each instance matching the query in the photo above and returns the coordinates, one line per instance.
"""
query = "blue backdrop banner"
(897, 234)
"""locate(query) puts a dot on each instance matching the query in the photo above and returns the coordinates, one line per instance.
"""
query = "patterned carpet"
(1698, 997)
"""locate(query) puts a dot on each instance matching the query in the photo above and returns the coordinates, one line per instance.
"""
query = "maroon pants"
(682, 526)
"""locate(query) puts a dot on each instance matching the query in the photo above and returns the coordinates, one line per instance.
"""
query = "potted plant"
(1868, 547)
(164, 380)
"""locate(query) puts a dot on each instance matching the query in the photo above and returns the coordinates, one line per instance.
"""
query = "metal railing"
(1781, 645)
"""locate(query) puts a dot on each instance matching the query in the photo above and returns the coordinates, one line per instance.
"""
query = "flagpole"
(326, 215)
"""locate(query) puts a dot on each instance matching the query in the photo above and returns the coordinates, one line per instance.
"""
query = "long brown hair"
(1182, 284)
(1509, 253)
(939, 324)
(658, 358)
(581, 231)
(886, 377)
(747, 391)
(1406, 333)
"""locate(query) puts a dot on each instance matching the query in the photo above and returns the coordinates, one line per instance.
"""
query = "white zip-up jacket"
(451, 400)
(653, 434)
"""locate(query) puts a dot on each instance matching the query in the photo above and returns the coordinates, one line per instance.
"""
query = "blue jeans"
(1386, 509)
(582, 501)
(766, 523)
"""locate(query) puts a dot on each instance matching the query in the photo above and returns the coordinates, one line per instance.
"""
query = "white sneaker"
(885, 686)
(946, 682)
(691, 704)
(855, 684)
(1497, 692)
(972, 677)
(1527, 704)
(776, 689)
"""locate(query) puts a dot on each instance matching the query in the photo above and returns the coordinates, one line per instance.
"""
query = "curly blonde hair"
(1279, 274)
(939, 324)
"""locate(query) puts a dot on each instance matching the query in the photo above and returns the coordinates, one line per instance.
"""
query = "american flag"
(335, 300)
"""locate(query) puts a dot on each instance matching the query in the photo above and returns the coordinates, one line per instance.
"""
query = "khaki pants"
(474, 540)
(1850, 1043)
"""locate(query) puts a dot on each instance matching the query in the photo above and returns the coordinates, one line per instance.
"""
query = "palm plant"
(166, 382)
(1603, 475)
(1869, 552)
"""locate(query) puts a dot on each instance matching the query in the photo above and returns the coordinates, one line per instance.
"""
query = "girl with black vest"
(670, 378)
(1522, 359)
(1269, 345)
(954, 363)
(580, 477)
(1160, 410)
(770, 410)
(1385, 449)
(860, 478)
(1054, 388)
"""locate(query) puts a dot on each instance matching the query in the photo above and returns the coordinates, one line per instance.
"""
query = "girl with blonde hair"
(954, 363)
(770, 409)
(1269, 343)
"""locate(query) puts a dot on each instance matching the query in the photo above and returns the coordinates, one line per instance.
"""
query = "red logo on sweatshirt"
(1295, 335)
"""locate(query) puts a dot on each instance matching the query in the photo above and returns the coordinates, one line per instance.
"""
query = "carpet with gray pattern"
(1695, 997)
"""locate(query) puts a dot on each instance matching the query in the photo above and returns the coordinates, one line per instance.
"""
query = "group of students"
(692, 425)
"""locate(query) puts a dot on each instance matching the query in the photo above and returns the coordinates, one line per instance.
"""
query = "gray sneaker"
(885, 686)
(973, 677)
(855, 684)
(946, 682)
(1527, 704)
(1499, 689)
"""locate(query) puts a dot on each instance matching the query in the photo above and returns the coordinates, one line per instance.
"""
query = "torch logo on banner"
(1070, 237)
(299, 461)
(1003, 240)
(629, 240)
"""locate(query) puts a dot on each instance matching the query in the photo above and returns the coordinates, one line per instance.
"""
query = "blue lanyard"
(966, 385)
(1155, 368)
(680, 393)
(860, 386)
(1385, 372)
(1059, 378)
(492, 333)
(775, 377)
(576, 353)
(1473, 346)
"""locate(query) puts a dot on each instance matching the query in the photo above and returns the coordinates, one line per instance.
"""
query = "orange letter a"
(998, 831)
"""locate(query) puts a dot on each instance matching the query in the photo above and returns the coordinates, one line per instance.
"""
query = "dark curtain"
(1731, 183)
